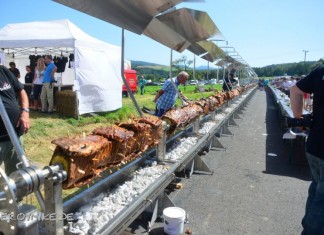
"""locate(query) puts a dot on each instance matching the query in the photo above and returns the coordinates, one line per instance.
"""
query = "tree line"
(291, 69)
(159, 73)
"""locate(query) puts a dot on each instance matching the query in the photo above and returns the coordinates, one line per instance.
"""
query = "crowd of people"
(16, 103)
(286, 83)
(38, 83)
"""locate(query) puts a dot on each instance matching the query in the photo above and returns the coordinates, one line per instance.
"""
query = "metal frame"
(153, 198)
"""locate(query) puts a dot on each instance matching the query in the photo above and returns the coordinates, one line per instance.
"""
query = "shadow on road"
(278, 151)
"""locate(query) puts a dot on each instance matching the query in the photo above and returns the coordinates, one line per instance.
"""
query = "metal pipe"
(194, 76)
(123, 76)
(19, 150)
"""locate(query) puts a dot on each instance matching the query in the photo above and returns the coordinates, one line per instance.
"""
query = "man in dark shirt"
(10, 87)
(228, 83)
(313, 221)
(14, 70)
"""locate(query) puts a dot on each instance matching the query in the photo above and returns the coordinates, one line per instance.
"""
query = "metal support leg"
(216, 144)
(239, 112)
(53, 207)
(161, 148)
(196, 126)
(213, 116)
(236, 116)
(231, 122)
(225, 131)
(159, 205)
(201, 166)
(190, 168)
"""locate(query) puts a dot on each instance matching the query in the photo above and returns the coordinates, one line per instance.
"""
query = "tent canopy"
(97, 78)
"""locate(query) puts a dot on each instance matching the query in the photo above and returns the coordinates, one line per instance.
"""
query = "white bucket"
(174, 218)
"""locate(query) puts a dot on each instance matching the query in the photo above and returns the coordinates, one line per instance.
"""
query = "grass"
(45, 128)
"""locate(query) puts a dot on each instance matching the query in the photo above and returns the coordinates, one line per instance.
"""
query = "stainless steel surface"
(54, 206)
(53, 187)
(192, 24)
(133, 15)
(8, 206)
(162, 33)
(201, 47)
(211, 50)
(138, 205)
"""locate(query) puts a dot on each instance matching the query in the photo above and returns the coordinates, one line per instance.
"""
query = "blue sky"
(263, 32)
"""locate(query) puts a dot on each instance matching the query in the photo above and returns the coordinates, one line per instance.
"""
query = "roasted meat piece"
(177, 118)
(156, 128)
(121, 139)
(213, 103)
(204, 104)
(140, 141)
(220, 98)
(82, 158)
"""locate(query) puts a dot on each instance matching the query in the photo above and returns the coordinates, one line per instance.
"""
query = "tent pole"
(123, 76)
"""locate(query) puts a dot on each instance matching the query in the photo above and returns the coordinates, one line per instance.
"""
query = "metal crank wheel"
(8, 207)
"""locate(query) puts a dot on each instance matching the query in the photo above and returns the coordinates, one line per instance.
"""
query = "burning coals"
(180, 147)
(92, 217)
(206, 127)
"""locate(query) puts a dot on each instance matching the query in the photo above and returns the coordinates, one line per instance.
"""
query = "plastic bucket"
(174, 218)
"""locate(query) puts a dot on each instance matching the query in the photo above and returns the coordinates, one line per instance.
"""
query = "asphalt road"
(254, 189)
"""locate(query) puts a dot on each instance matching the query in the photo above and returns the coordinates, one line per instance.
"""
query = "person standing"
(142, 83)
(167, 96)
(47, 94)
(313, 221)
(29, 77)
(14, 70)
(286, 85)
(228, 83)
(38, 82)
(18, 116)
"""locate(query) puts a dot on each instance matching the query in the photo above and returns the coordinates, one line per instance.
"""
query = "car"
(192, 82)
(220, 81)
(213, 81)
(201, 83)
(153, 84)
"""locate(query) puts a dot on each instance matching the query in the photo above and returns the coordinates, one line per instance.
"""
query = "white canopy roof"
(97, 63)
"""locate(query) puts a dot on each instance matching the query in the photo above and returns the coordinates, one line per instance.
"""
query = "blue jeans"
(313, 221)
(159, 112)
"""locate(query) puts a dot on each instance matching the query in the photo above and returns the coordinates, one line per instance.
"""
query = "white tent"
(97, 64)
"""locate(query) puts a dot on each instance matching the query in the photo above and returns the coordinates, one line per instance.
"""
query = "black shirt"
(9, 85)
(29, 77)
(227, 84)
(314, 83)
(15, 71)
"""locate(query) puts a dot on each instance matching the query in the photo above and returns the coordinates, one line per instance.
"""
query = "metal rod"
(19, 150)
(124, 79)
(194, 75)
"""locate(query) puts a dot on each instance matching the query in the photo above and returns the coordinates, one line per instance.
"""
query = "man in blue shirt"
(48, 87)
(167, 96)
(142, 83)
